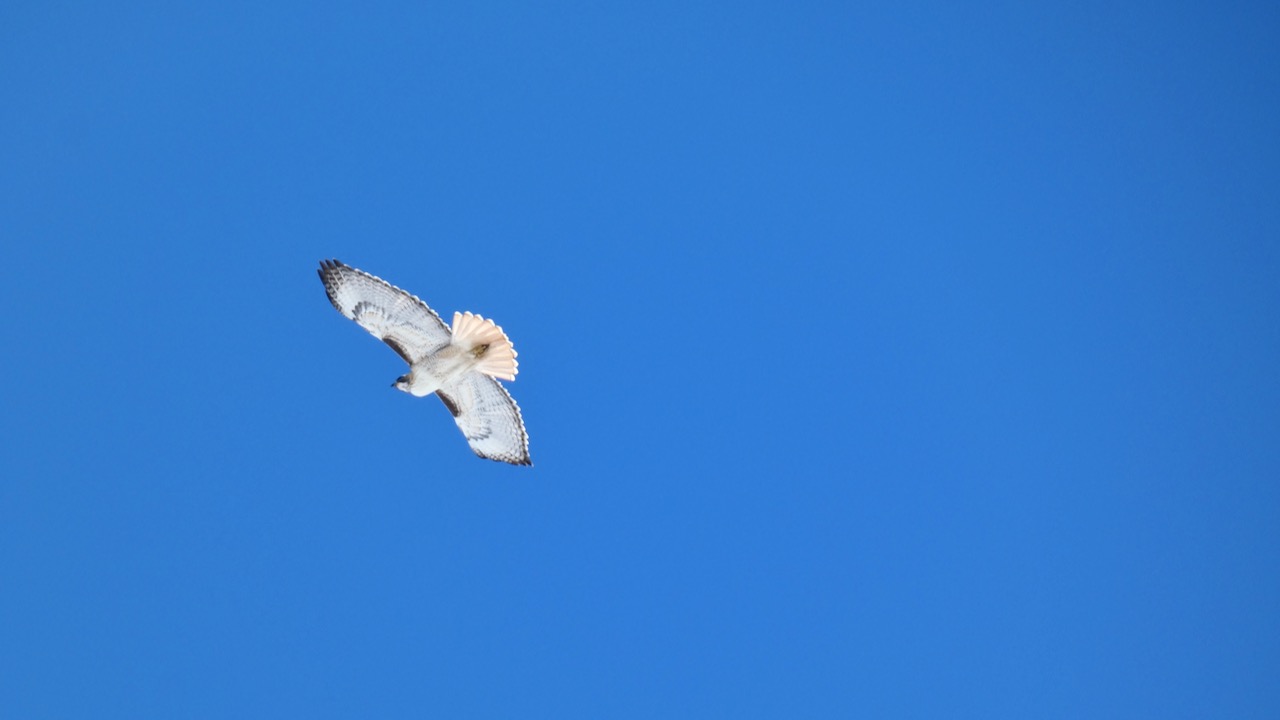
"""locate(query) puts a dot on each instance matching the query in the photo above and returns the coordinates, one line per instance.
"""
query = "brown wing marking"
(449, 403)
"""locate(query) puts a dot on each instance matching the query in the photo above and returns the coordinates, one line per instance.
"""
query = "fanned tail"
(485, 340)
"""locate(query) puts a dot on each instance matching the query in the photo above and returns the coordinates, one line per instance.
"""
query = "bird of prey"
(458, 365)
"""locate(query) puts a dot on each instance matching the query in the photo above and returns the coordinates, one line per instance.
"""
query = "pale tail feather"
(472, 332)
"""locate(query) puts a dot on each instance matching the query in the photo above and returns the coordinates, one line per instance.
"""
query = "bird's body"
(459, 365)
(438, 370)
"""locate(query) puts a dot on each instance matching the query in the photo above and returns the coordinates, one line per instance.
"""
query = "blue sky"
(893, 360)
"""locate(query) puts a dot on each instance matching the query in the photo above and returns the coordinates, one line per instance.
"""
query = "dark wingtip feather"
(328, 277)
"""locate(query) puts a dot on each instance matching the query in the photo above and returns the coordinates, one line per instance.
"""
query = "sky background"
(896, 360)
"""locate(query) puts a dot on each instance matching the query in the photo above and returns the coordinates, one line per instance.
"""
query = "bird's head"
(401, 383)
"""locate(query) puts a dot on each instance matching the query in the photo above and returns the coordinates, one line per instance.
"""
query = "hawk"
(459, 365)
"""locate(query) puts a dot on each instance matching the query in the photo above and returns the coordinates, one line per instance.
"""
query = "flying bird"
(459, 365)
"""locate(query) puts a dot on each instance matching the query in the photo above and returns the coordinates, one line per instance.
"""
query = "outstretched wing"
(488, 417)
(390, 314)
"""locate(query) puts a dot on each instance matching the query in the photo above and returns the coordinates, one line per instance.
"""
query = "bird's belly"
(436, 372)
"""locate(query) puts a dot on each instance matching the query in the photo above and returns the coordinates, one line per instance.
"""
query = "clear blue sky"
(895, 360)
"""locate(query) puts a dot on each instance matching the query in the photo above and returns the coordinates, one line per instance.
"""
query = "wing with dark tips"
(488, 417)
(390, 314)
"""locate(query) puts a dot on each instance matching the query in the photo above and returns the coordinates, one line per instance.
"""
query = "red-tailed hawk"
(458, 365)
